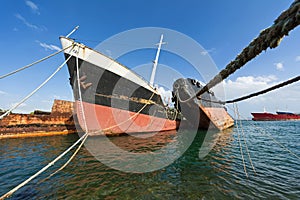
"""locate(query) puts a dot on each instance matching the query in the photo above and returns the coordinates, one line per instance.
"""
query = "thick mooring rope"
(270, 37)
(280, 85)
(290, 81)
(83, 116)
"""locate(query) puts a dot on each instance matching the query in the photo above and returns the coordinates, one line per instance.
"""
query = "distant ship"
(279, 116)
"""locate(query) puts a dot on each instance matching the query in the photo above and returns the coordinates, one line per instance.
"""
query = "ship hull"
(104, 120)
(201, 114)
(114, 99)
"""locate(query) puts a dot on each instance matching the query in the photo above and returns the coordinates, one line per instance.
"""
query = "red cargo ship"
(279, 116)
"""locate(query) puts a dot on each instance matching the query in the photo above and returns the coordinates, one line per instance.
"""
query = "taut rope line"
(270, 37)
(34, 91)
(275, 87)
(240, 144)
(290, 81)
(244, 138)
(42, 170)
(82, 139)
(274, 140)
(84, 120)
(34, 63)
(79, 91)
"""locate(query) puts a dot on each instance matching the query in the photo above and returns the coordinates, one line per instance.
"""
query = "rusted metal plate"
(219, 117)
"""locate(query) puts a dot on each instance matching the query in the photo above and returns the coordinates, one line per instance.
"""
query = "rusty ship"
(115, 100)
(111, 99)
(205, 111)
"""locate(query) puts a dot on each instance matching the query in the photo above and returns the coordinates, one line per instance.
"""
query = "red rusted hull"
(203, 112)
(218, 117)
(112, 121)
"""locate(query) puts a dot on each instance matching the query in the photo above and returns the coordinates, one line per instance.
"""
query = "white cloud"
(2, 92)
(48, 46)
(298, 59)
(33, 7)
(206, 52)
(28, 24)
(247, 84)
(166, 95)
(279, 66)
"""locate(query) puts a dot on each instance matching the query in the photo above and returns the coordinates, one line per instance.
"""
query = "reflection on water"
(211, 168)
(140, 154)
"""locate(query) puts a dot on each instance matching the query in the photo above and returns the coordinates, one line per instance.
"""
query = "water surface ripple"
(218, 175)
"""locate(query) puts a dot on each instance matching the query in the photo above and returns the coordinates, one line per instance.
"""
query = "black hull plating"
(103, 87)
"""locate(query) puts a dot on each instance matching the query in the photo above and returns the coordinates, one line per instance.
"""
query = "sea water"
(214, 167)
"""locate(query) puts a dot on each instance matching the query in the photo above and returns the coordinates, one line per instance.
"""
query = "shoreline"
(60, 121)
(36, 134)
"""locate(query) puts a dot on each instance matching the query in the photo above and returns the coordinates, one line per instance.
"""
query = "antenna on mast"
(156, 60)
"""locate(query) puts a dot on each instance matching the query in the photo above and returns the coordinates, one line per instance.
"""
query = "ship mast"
(156, 61)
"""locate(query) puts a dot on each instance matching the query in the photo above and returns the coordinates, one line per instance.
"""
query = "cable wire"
(34, 63)
(34, 91)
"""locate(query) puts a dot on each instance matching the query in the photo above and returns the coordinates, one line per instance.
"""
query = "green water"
(219, 175)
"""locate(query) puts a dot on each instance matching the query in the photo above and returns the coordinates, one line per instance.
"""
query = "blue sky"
(30, 30)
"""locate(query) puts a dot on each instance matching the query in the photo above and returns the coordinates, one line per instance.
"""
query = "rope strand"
(274, 140)
(275, 87)
(290, 81)
(270, 37)
(240, 144)
(79, 91)
(42, 170)
(34, 91)
(34, 63)
(84, 120)
(244, 138)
